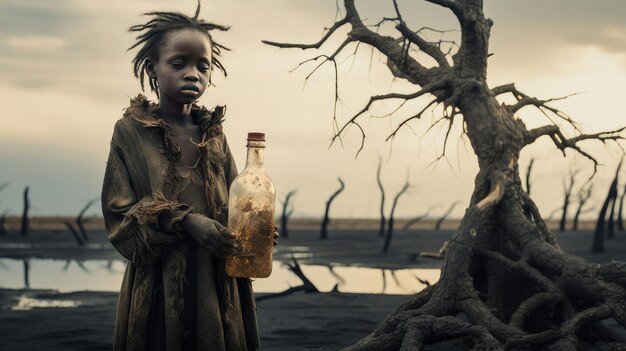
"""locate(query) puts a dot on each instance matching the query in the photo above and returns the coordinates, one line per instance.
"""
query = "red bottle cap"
(256, 136)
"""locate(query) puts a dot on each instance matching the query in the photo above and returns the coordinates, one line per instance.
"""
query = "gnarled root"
(551, 300)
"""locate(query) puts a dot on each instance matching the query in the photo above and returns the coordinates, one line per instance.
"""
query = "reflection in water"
(26, 271)
(102, 275)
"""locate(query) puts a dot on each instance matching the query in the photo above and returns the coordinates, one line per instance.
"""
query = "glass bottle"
(252, 198)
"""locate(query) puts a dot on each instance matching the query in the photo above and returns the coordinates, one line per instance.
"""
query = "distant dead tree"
(389, 234)
(583, 196)
(381, 228)
(286, 213)
(74, 233)
(598, 236)
(307, 286)
(414, 220)
(3, 217)
(79, 219)
(324, 229)
(445, 215)
(24, 227)
(567, 190)
(528, 171)
(4, 214)
(620, 219)
(610, 224)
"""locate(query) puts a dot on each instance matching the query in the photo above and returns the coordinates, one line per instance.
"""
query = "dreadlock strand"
(195, 16)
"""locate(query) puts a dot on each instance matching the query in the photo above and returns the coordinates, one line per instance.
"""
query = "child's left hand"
(276, 235)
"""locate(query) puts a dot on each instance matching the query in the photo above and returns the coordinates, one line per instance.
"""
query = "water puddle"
(101, 275)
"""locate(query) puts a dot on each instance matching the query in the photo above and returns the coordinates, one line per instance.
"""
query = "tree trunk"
(286, 213)
(620, 211)
(24, 228)
(391, 219)
(598, 236)
(566, 200)
(583, 197)
(381, 227)
(326, 220)
(3, 218)
(79, 220)
(610, 225)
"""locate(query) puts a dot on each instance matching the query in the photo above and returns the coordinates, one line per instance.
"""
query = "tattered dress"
(175, 294)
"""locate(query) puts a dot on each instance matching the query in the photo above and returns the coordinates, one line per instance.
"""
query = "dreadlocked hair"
(153, 32)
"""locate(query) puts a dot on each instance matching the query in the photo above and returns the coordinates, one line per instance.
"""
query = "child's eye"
(177, 64)
(204, 67)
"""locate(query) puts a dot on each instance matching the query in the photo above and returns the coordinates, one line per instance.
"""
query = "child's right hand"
(211, 235)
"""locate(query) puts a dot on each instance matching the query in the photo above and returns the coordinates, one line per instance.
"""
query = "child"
(165, 197)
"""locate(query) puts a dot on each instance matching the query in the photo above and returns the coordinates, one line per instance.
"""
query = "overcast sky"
(65, 77)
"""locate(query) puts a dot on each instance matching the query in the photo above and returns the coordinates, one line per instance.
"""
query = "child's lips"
(190, 88)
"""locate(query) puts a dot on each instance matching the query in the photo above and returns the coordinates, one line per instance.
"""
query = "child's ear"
(150, 65)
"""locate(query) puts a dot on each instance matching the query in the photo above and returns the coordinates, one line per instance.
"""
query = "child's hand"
(276, 235)
(211, 235)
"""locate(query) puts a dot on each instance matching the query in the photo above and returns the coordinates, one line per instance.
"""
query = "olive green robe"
(143, 220)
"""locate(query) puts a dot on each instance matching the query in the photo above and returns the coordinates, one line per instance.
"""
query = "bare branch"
(428, 48)
(454, 6)
(416, 116)
(317, 45)
(532, 101)
(503, 89)
(562, 143)
(438, 85)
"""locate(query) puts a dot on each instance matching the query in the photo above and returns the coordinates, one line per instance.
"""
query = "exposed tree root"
(562, 304)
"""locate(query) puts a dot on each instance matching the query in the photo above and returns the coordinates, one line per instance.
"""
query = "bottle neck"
(255, 153)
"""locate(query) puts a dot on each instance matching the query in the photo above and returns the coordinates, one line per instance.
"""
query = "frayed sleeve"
(141, 229)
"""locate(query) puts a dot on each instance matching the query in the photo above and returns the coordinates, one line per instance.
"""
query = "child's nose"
(192, 74)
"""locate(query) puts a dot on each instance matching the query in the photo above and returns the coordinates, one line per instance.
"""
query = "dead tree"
(528, 170)
(505, 283)
(598, 235)
(620, 211)
(24, 227)
(324, 229)
(4, 214)
(445, 215)
(381, 228)
(79, 219)
(389, 234)
(567, 190)
(3, 218)
(287, 212)
(583, 196)
(74, 233)
(610, 223)
(414, 220)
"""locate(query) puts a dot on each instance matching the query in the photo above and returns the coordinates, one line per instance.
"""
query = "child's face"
(183, 69)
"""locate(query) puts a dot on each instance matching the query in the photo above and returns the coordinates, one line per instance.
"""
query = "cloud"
(28, 17)
(64, 64)
(35, 43)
